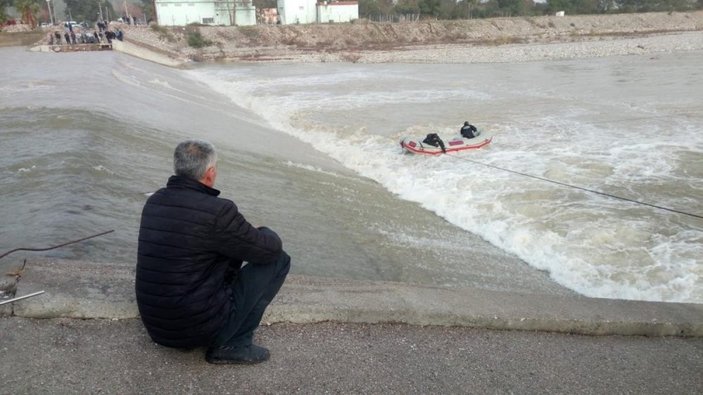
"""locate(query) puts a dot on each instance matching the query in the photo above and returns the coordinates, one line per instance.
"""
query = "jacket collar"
(178, 182)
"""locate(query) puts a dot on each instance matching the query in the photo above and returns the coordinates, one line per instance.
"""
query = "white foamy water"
(627, 126)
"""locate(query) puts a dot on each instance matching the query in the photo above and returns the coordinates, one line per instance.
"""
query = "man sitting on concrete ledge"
(192, 290)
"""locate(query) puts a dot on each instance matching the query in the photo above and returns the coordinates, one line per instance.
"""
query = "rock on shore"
(465, 41)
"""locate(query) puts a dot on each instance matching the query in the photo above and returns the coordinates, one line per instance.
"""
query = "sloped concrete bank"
(76, 289)
(146, 52)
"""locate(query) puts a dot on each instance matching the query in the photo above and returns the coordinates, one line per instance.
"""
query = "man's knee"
(283, 263)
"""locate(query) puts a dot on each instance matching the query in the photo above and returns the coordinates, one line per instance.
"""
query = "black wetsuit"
(434, 140)
(468, 131)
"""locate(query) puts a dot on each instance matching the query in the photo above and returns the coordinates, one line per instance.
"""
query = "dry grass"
(164, 33)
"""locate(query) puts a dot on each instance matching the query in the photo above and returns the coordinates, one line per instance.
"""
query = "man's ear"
(209, 177)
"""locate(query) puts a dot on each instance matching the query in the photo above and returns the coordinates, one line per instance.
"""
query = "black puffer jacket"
(187, 239)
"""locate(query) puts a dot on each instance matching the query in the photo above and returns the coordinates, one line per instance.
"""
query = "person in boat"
(468, 131)
(191, 285)
(434, 140)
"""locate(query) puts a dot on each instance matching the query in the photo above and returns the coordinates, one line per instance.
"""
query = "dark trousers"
(253, 289)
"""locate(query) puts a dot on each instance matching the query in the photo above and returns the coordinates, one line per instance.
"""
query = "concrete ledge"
(75, 289)
(312, 300)
(142, 52)
(139, 51)
(97, 290)
(72, 47)
(20, 39)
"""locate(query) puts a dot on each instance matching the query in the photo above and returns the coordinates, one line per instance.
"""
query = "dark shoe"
(249, 354)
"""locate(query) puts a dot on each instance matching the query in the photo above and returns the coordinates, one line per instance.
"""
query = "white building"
(310, 11)
(297, 11)
(337, 11)
(206, 12)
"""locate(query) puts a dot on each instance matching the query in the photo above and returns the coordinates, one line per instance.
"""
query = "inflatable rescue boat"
(434, 145)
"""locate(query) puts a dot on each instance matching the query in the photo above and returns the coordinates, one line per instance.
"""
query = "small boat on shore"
(435, 145)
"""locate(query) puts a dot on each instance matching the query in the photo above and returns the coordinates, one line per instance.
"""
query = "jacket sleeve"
(238, 239)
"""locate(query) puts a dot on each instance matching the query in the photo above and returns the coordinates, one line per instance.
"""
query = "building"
(206, 12)
(297, 11)
(310, 11)
(337, 11)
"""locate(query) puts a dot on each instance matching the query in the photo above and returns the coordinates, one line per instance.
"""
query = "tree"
(654, 5)
(429, 7)
(89, 10)
(368, 7)
(149, 10)
(467, 8)
(487, 9)
(132, 10)
(3, 15)
(259, 4)
(28, 9)
(585, 6)
(407, 7)
(558, 5)
(512, 7)
(450, 9)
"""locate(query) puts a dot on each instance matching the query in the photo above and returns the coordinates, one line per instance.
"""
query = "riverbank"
(466, 41)
(519, 39)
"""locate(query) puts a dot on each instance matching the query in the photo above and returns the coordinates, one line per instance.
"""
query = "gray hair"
(192, 158)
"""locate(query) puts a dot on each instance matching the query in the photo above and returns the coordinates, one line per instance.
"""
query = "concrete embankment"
(143, 51)
(71, 48)
(20, 39)
(87, 290)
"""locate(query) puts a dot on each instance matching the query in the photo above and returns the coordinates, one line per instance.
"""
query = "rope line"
(56, 246)
(581, 188)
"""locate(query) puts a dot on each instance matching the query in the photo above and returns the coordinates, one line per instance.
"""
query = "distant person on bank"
(192, 289)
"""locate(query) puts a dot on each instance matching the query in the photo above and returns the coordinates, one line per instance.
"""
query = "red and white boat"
(455, 144)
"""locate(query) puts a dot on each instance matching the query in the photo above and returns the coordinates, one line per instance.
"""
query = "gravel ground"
(116, 356)
(447, 53)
